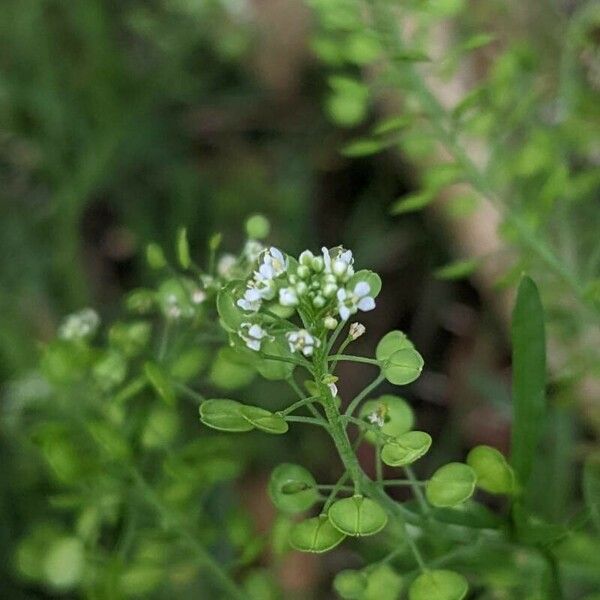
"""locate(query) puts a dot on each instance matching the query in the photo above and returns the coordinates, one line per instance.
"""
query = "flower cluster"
(323, 289)
(79, 325)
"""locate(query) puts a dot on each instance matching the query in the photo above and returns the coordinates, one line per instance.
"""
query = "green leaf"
(363, 147)
(265, 420)
(229, 371)
(438, 585)
(160, 382)
(479, 40)
(411, 56)
(450, 485)
(403, 366)
(183, 249)
(412, 202)
(391, 342)
(494, 474)
(292, 488)
(357, 516)
(315, 535)
(275, 369)
(350, 584)
(224, 415)
(398, 416)
(391, 125)
(591, 489)
(529, 377)
(459, 269)
(406, 449)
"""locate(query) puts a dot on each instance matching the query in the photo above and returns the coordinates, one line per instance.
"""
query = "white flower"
(226, 264)
(198, 296)
(358, 299)
(326, 259)
(356, 330)
(253, 335)
(251, 301)
(342, 265)
(376, 418)
(288, 297)
(264, 286)
(252, 250)
(80, 325)
(173, 308)
(274, 263)
(302, 341)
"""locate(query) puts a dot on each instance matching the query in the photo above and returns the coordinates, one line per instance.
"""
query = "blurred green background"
(121, 121)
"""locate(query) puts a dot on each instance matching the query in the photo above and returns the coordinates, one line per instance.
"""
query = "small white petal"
(344, 313)
(366, 303)
(253, 345)
(341, 294)
(362, 288)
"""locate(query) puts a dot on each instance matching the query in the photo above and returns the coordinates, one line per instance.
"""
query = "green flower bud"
(303, 271)
(257, 227)
(306, 258)
(330, 323)
(317, 264)
(319, 301)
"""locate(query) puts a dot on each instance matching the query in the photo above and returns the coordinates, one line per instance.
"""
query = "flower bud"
(319, 301)
(301, 288)
(330, 322)
(339, 267)
(317, 264)
(329, 290)
(356, 330)
(306, 258)
(303, 271)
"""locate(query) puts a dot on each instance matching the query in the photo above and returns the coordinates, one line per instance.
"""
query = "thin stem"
(188, 391)
(299, 404)
(340, 350)
(307, 420)
(164, 340)
(335, 335)
(352, 358)
(335, 489)
(356, 401)
(311, 407)
(285, 359)
(417, 491)
(334, 486)
(402, 482)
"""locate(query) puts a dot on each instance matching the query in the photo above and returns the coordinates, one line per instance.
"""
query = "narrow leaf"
(529, 377)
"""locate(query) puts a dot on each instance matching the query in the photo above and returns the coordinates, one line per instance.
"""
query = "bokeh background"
(122, 121)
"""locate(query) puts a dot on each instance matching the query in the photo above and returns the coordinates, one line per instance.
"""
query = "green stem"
(311, 407)
(417, 491)
(352, 358)
(356, 401)
(307, 420)
(299, 404)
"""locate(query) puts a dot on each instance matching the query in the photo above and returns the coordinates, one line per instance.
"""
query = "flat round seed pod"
(438, 585)
(403, 366)
(357, 516)
(406, 448)
(224, 415)
(264, 420)
(292, 488)
(451, 485)
(395, 412)
(315, 535)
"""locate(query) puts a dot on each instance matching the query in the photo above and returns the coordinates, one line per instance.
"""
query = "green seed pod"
(315, 535)
(383, 583)
(264, 420)
(406, 449)
(350, 584)
(155, 256)
(275, 369)
(224, 415)
(64, 563)
(494, 474)
(292, 488)
(369, 277)
(392, 342)
(438, 585)
(451, 485)
(357, 516)
(229, 371)
(230, 314)
(397, 415)
(258, 227)
(403, 366)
